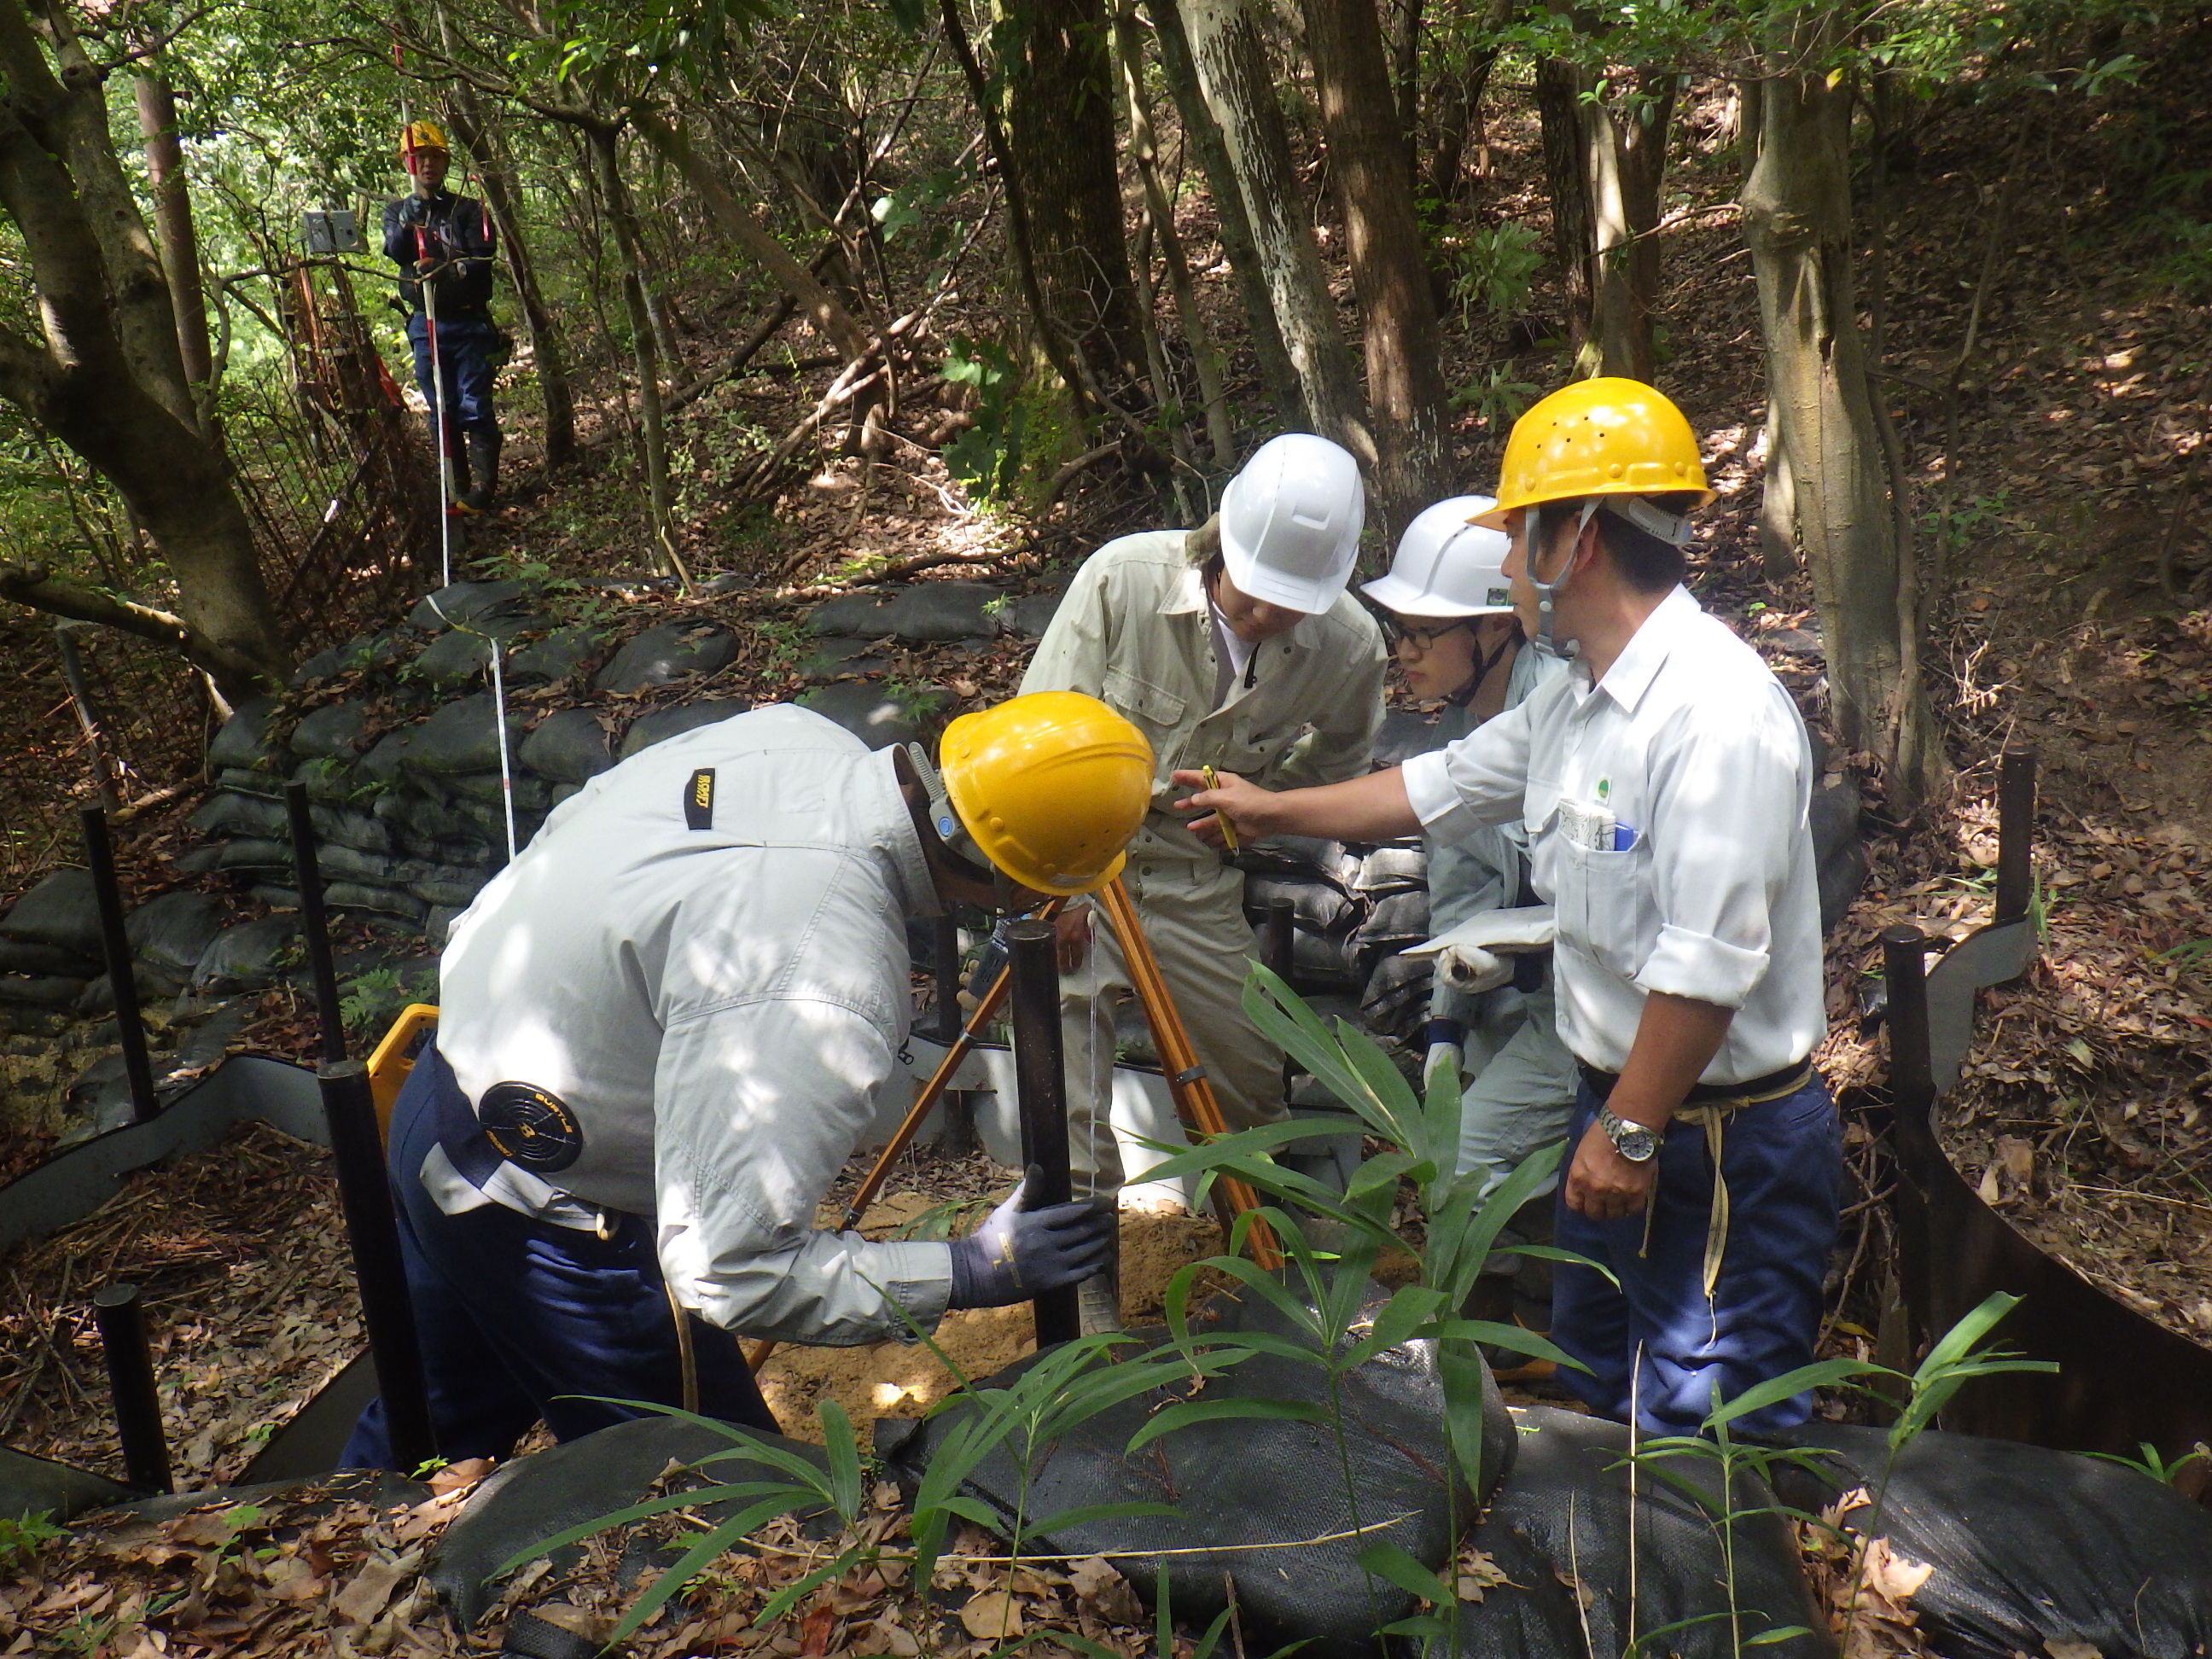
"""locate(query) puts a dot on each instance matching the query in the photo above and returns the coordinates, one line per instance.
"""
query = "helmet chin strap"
(1547, 592)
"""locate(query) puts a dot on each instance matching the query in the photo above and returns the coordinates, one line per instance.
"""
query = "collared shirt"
(1136, 630)
(1699, 755)
(718, 1006)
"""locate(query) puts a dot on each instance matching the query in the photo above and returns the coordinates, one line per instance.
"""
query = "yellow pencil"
(1227, 834)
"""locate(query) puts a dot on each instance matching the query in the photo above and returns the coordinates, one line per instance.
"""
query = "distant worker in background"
(444, 247)
(1448, 615)
(1236, 646)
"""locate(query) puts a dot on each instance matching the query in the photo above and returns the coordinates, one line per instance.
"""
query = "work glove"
(414, 210)
(1019, 1251)
(1471, 970)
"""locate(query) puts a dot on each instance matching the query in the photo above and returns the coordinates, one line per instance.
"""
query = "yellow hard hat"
(1051, 787)
(1609, 436)
(422, 134)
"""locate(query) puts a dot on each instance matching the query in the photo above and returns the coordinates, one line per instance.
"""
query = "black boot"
(483, 461)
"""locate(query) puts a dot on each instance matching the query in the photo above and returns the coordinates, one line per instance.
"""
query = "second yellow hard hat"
(1051, 787)
(1609, 436)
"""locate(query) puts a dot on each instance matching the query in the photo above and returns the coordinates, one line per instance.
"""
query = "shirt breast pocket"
(1154, 708)
(1605, 905)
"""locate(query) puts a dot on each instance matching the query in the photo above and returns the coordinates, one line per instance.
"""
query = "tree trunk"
(1455, 117)
(1239, 89)
(173, 222)
(1797, 220)
(1626, 149)
(1144, 150)
(548, 356)
(838, 324)
(105, 374)
(606, 161)
(1059, 80)
(1559, 89)
(1374, 181)
(1233, 226)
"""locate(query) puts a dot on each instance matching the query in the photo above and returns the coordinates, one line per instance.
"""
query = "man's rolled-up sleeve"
(757, 1107)
(1475, 782)
(1728, 805)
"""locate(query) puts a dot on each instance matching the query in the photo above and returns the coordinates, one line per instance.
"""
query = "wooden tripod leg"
(1193, 1095)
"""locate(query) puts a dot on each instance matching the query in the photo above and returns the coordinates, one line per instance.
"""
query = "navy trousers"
(1655, 1339)
(466, 347)
(518, 1317)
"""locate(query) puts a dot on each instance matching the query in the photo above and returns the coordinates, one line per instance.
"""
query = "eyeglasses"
(1420, 638)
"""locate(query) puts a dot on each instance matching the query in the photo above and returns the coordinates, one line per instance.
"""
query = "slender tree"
(1233, 73)
(1373, 172)
(100, 368)
(1797, 219)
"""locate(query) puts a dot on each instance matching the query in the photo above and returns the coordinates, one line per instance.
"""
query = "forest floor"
(2056, 463)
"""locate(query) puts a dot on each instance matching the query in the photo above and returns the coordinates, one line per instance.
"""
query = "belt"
(1754, 1092)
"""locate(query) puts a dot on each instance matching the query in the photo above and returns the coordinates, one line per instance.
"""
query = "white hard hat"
(1290, 522)
(1447, 567)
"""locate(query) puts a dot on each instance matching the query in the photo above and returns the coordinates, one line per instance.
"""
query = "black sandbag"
(1561, 1524)
(2029, 1547)
(1241, 1482)
(547, 1493)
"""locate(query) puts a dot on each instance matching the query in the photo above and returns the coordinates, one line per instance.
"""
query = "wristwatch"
(1632, 1140)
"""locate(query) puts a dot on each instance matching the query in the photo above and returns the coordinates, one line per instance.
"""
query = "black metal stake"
(1281, 944)
(2015, 832)
(130, 1031)
(122, 1321)
(1041, 1083)
(946, 971)
(1912, 1072)
(314, 923)
(365, 1193)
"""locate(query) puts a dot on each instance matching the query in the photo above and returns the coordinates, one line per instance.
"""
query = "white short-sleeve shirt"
(1665, 808)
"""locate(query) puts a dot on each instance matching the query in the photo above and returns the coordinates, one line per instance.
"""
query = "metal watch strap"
(1618, 1129)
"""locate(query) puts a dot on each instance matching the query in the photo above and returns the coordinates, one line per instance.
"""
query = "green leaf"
(844, 1450)
(1784, 1633)
(1190, 1412)
(1822, 1374)
(1391, 1562)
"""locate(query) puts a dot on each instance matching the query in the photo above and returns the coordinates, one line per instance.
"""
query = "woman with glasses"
(1448, 619)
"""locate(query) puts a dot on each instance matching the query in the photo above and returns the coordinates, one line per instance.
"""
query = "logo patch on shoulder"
(699, 800)
(531, 1126)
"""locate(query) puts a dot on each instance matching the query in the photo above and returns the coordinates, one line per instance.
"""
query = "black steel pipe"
(129, 1029)
(2015, 832)
(373, 1231)
(1041, 1085)
(121, 1316)
(946, 972)
(1911, 1072)
(1280, 947)
(314, 922)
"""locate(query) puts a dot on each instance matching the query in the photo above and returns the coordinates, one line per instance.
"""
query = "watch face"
(1638, 1146)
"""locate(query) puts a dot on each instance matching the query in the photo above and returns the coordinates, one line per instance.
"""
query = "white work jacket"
(1136, 630)
(717, 994)
(1694, 752)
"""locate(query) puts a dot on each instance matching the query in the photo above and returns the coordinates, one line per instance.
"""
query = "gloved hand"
(414, 210)
(1019, 1252)
(1471, 970)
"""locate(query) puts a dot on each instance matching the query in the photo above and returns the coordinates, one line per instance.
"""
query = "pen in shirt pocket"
(1624, 837)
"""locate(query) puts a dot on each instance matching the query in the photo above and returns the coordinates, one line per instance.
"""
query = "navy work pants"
(467, 347)
(515, 1315)
(1656, 1340)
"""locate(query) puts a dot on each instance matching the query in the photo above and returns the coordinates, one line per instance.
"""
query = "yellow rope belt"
(1709, 1116)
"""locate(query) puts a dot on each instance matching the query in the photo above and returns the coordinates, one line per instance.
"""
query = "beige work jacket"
(1136, 631)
